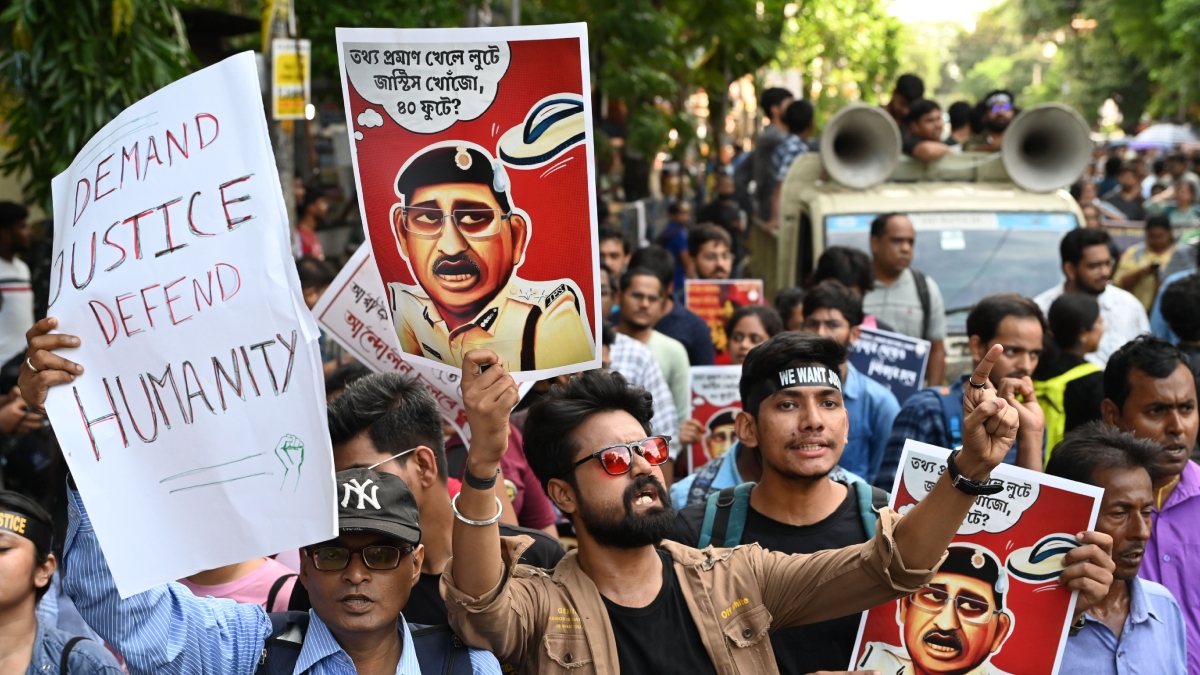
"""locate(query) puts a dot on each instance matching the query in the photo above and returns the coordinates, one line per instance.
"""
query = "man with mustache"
(997, 111)
(626, 601)
(954, 624)
(1138, 623)
(929, 415)
(1150, 391)
(463, 239)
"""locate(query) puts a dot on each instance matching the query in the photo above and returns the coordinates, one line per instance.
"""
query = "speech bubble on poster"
(426, 88)
(993, 514)
(200, 416)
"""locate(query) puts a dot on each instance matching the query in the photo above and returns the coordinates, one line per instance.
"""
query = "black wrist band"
(974, 488)
(480, 483)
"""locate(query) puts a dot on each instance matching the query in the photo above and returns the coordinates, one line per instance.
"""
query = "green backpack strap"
(870, 500)
(725, 516)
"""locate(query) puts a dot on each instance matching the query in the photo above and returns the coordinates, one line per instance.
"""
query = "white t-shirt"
(1124, 318)
(16, 308)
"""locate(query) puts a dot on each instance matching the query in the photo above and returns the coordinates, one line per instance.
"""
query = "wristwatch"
(975, 488)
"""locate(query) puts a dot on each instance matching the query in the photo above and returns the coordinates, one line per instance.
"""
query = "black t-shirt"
(799, 650)
(661, 637)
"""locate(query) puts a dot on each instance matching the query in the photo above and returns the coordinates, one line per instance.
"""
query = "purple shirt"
(1173, 555)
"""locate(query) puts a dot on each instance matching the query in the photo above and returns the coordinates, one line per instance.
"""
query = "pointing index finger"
(984, 370)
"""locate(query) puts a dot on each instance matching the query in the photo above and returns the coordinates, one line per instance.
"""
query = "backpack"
(951, 414)
(439, 651)
(725, 512)
(1051, 394)
(923, 296)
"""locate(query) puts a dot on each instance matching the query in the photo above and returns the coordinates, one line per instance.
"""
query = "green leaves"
(63, 76)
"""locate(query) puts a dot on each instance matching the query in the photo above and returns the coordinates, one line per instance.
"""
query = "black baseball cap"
(377, 502)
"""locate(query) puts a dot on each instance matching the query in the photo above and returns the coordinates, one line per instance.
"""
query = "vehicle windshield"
(972, 255)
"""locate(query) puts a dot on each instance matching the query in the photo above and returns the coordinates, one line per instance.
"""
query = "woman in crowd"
(1069, 388)
(28, 645)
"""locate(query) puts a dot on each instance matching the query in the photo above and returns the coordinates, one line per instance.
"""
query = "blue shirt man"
(169, 630)
(1138, 627)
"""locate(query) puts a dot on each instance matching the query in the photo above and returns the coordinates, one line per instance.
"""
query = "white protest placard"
(354, 312)
(197, 434)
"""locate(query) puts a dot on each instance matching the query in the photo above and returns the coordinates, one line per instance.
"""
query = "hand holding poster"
(715, 405)
(197, 435)
(473, 156)
(896, 361)
(1000, 577)
(715, 301)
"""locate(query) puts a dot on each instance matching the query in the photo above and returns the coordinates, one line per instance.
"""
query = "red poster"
(472, 149)
(715, 404)
(995, 606)
(715, 300)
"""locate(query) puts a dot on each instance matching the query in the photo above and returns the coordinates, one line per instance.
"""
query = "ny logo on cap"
(361, 491)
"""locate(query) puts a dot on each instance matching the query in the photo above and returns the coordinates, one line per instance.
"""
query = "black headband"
(22, 525)
(792, 376)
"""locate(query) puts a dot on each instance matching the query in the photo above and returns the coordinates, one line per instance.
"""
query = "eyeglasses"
(618, 459)
(1001, 107)
(472, 223)
(971, 610)
(336, 558)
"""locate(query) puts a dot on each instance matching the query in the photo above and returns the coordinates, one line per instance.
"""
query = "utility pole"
(279, 21)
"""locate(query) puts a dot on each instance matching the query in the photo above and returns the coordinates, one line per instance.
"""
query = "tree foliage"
(70, 67)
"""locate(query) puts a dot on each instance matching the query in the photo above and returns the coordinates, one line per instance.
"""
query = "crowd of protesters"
(463, 565)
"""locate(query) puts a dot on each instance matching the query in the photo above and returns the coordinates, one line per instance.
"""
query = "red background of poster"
(708, 300)
(558, 205)
(702, 413)
(1039, 615)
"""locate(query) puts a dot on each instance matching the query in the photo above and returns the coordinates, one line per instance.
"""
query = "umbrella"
(1164, 135)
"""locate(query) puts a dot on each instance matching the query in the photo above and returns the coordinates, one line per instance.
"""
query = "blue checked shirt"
(922, 418)
(169, 631)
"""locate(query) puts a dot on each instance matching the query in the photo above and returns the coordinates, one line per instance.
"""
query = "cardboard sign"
(291, 77)
(1005, 560)
(197, 434)
(472, 150)
(715, 300)
(715, 404)
(896, 361)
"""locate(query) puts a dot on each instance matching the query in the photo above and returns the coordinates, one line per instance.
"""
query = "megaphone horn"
(1046, 147)
(860, 146)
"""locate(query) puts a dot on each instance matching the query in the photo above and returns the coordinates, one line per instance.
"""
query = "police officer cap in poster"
(955, 623)
(458, 227)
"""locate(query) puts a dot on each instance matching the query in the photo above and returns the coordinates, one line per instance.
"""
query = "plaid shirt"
(923, 418)
(786, 153)
(634, 360)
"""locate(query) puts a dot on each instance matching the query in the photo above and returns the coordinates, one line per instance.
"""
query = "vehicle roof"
(827, 198)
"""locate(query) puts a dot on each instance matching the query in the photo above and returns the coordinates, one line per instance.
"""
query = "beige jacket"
(555, 621)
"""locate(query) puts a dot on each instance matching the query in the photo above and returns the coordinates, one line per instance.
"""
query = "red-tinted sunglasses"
(618, 459)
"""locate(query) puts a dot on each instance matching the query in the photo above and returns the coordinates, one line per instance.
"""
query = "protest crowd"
(595, 521)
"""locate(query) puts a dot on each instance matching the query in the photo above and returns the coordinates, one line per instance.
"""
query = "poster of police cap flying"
(472, 152)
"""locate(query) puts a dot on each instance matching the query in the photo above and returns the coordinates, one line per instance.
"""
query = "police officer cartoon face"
(461, 244)
(952, 625)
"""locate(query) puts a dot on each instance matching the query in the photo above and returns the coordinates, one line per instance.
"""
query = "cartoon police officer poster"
(472, 151)
(994, 607)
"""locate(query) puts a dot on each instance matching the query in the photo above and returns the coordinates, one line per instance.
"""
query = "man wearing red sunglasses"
(625, 600)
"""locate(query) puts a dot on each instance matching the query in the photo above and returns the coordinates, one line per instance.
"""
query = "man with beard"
(625, 600)
(1151, 392)
(1087, 263)
(1138, 623)
(1004, 320)
(997, 111)
(954, 624)
(799, 505)
(709, 253)
(463, 239)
